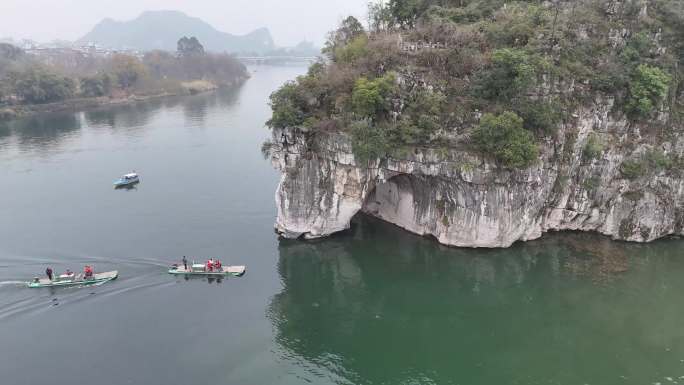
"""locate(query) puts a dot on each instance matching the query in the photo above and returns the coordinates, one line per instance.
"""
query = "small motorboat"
(127, 180)
(201, 269)
(72, 279)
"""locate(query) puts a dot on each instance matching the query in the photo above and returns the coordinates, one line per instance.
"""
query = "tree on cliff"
(370, 98)
(406, 12)
(349, 29)
(647, 90)
(379, 16)
(504, 137)
(287, 107)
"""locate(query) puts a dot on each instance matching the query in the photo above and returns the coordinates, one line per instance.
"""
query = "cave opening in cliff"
(404, 200)
(395, 200)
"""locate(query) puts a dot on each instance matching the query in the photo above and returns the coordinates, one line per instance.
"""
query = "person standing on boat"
(185, 263)
(48, 272)
(217, 265)
(88, 271)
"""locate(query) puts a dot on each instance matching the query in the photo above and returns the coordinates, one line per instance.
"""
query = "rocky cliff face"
(463, 199)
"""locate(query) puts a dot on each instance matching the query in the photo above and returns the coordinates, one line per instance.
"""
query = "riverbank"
(78, 104)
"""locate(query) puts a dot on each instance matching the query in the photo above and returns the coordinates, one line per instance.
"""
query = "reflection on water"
(101, 118)
(4, 129)
(195, 111)
(195, 108)
(127, 187)
(378, 306)
(59, 209)
(46, 131)
(208, 279)
(124, 116)
(375, 305)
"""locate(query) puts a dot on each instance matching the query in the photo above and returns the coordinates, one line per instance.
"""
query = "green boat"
(200, 269)
(74, 280)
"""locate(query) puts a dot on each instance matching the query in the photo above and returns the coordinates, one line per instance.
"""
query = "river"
(375, 305)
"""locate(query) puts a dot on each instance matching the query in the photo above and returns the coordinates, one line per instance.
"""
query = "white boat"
(127, 180)
(74, 280)
(201, 269)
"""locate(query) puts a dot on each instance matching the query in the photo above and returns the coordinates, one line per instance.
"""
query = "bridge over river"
(277, 59)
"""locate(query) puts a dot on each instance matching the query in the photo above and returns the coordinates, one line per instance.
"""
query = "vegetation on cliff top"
(491, 75)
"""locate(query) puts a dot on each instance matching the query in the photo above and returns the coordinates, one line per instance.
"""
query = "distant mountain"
(305, 48)
(162, 29)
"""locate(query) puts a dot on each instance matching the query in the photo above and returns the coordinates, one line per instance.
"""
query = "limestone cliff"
(485, 122)
(463, 199)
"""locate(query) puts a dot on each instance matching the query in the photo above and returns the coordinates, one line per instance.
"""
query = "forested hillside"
(493, 76)
(27, 79)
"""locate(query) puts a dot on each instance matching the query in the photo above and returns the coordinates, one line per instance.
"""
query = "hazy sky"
(290, 21)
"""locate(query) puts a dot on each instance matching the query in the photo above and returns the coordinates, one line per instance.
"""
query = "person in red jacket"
(217, 265)
(88, 271)
(210, 265)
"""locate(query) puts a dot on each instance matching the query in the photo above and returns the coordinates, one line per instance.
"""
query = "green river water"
(374, 305)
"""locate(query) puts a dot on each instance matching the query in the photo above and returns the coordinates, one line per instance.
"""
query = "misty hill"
(304, 48)
(162, 29)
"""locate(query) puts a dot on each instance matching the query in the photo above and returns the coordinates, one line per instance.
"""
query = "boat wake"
(24, 302)
(23, 307)
(135, 287)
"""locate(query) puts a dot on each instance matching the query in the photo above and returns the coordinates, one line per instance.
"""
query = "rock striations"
(463, 199)
(485, 122)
